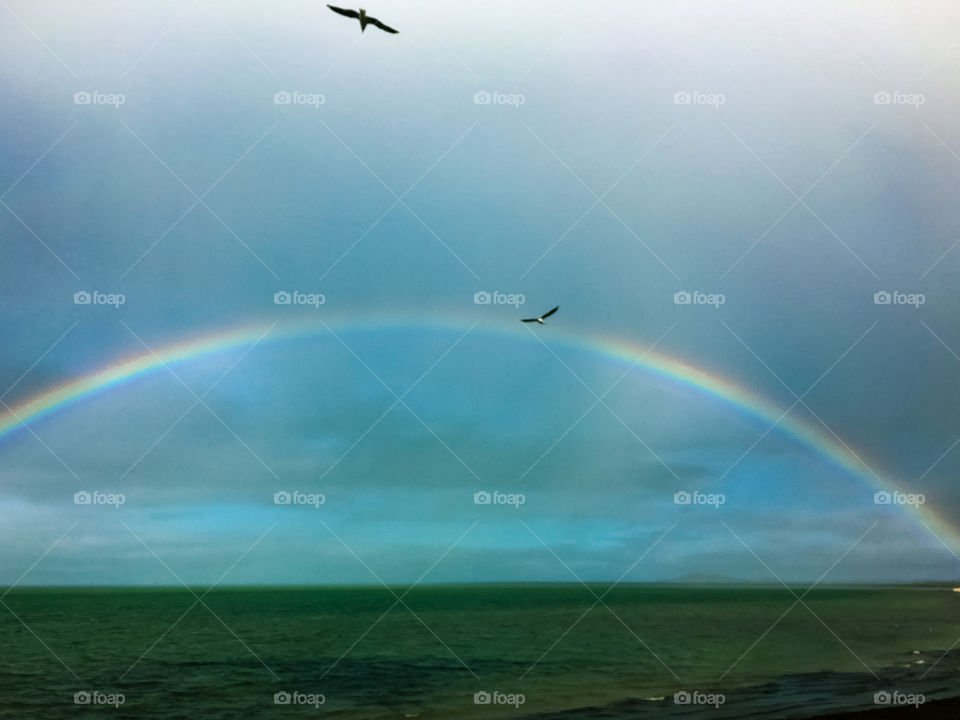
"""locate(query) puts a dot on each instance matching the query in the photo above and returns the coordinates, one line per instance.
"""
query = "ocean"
(474, 651)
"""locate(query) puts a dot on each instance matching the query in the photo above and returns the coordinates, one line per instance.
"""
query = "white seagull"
(542, 317)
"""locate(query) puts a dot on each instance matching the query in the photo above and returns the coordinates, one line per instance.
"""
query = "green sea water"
(442, 651)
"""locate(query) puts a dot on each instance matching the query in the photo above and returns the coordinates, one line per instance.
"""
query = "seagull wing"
(548, 314)
(529, 319)
(349, 13)
(387, 28)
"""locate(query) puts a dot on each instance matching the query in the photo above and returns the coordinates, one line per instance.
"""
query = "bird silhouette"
(542, 317)
(363, 18)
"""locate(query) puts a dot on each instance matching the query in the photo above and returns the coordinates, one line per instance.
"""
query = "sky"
(790, 165)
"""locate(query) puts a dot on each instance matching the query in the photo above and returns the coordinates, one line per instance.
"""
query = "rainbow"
(821, 442)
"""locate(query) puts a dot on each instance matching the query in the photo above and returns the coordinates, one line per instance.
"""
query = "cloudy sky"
(790, 160)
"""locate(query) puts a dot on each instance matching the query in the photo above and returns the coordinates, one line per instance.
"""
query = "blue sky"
(815, 164)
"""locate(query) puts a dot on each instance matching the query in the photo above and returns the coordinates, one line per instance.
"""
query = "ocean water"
(359, 653)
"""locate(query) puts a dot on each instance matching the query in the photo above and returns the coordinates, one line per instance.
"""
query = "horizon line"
(473, 583)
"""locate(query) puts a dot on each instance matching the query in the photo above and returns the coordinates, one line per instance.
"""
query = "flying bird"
(542, 317)
(363, 18)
